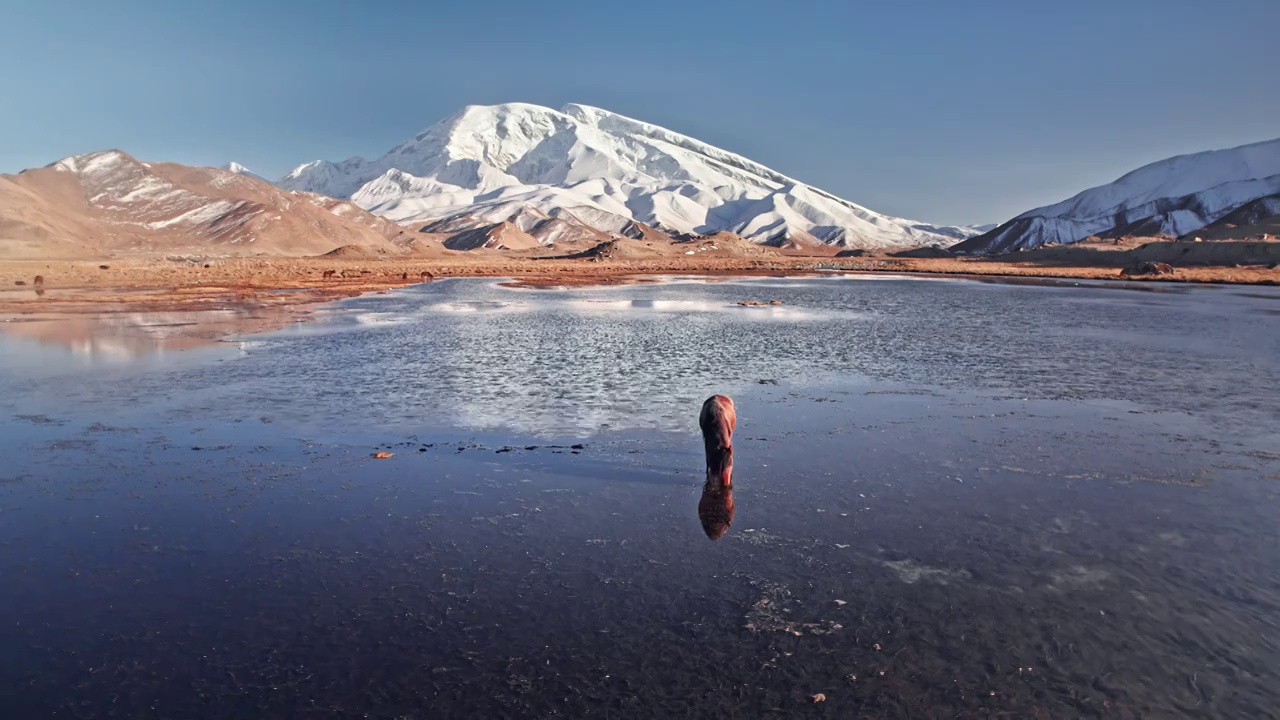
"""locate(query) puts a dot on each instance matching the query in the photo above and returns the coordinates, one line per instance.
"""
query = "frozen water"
(473, 353)
(952, 499)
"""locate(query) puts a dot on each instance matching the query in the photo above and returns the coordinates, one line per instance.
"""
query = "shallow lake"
(953, 499)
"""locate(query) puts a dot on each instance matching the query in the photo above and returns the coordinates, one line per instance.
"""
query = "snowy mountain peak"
(99, 162)
(1173, 197)
(598, 164)
(239, 169)
(1174, 177)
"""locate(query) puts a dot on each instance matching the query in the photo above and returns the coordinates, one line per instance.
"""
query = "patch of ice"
(910, 572)
(380, 318)
(478, 307)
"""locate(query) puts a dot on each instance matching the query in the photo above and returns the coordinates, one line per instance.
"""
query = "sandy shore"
(217, 298)
(155, 284)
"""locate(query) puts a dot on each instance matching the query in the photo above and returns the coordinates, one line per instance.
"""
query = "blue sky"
(941, 111)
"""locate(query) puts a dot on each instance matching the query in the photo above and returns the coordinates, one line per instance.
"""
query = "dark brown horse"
(717, 420)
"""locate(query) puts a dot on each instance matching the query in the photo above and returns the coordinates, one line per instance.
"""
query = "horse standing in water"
(717, 420)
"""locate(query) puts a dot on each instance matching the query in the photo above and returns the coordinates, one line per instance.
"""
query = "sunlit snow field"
(953, 499)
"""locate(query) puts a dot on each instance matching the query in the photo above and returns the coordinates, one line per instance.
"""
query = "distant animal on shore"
(39, 280)
(329, 273)
(427, 276)
(1147, 268)
(717, 420)
(405, 275)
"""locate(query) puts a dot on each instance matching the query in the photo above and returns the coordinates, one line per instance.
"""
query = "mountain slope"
(1254, 218)
(239, 169)
(108, 202)
(1172, 197)
(593, 163)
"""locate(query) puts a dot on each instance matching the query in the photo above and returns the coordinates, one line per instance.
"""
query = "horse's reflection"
(715, 509)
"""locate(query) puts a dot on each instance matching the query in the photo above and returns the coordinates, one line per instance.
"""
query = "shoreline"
(206, 302)
(146, 281)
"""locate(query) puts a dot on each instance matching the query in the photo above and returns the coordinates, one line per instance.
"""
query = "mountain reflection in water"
(125, 337)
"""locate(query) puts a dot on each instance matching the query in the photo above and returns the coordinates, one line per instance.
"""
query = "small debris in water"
(821, 698)
(382, 455)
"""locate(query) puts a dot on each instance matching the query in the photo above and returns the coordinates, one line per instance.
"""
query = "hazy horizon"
(952, 116)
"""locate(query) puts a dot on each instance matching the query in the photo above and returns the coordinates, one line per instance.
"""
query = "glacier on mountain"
(1175, 196)
(489, 163)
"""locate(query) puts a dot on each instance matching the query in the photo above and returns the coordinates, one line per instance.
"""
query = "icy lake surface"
(954, 498)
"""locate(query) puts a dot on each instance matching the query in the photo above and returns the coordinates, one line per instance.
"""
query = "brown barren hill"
(108, 203)
(723, 244)
(798, 241)
(350, 252)
(623, 248)
(565, 231)
(1125, 251)
(499, 236)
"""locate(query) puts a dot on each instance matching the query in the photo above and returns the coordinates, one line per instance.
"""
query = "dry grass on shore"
(157, 283)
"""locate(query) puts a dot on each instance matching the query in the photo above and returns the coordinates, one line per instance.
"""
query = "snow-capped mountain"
(1173, 197)
(107, 202)
(490, 164)
(239, 169)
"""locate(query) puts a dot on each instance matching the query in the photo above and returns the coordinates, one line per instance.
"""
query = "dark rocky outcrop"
(1147, 268)
(924, 252)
